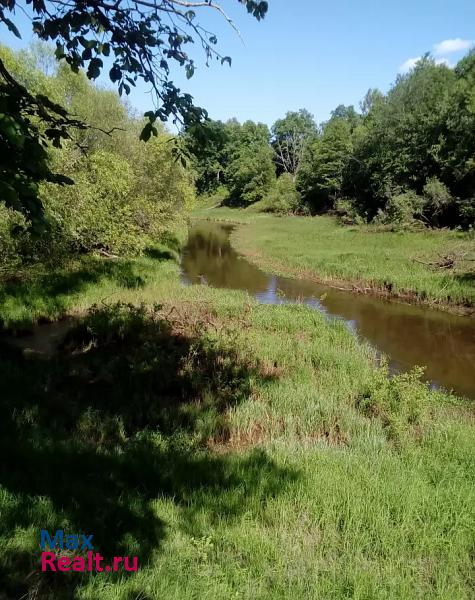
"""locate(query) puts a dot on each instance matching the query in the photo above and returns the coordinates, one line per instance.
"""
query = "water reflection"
(409, 335)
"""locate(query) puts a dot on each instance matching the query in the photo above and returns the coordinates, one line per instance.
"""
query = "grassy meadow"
(240, 450)
(362, 258)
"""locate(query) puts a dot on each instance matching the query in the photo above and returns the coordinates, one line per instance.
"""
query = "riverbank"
(359, 258)
(240, 450)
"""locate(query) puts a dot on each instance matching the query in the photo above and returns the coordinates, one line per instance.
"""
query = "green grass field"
(240, 450)
(360, 258)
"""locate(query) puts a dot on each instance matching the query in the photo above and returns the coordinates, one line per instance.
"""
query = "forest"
(239, 354)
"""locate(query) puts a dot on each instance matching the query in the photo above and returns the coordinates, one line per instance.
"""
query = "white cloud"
(451, 46)
(409, 64)
(412, 62)
(444, 61)
(441, 50)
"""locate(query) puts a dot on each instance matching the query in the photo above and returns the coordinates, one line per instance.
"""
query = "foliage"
(418, 138)
(401, 210)
(290, 137)
(140, 40)
(437, 199)
(407, 140)
(12, 239)
(120, 204)
(283, 198)
(250, 172)
(206, 144)
(399, 401)
(213, 199)
(321, 176)
(24, 159)
(127, 195)
(406, 155)
(345, 209)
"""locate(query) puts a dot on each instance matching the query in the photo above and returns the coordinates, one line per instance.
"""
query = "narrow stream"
(408, 335)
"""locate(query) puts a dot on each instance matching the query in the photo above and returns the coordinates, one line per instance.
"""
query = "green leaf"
(146, 132)
(94, 69)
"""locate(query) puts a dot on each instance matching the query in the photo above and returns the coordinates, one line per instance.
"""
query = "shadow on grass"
(160, 253)
(468, 277)
(120, 418)
(48, 294)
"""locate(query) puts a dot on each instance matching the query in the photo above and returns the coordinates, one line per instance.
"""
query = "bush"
(120, 202)
(283, 198)
(401, 210)
(251, 177)
(213, 199)
(12, 238)
(466, 209)
(347, 212)
(402, 403)
(94, 212)
(437, 199)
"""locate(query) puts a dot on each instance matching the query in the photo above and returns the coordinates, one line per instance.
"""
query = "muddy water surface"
(408, 335)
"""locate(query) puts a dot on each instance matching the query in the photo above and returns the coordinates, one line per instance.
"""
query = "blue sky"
(316, 54)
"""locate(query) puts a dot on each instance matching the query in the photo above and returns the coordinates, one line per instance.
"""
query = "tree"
(321, 177)
(250, 173)
(402, 142)
(206, 143)
(290, 136)
(143, 39)
(346, 113)
(372, 97)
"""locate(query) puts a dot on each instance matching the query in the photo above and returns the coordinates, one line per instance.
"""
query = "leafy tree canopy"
(290, 136)
(140, 39)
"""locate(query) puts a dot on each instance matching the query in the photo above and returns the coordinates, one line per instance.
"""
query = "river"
(408, 335)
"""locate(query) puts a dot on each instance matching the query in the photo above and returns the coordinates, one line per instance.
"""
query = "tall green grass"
(241, 450)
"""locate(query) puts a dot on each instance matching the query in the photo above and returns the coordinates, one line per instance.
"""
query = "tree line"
(406, 157)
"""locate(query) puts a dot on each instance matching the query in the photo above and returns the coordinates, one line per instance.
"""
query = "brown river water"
(408, 335)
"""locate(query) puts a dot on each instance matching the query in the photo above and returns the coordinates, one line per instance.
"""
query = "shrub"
(12, 236)
(437, 199)
(283, 198)
(121, 202)
(401, 402)
(466, 209)
(401, 210)
(347, 212)
(94, 212)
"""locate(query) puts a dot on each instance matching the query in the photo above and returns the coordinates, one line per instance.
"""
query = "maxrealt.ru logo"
(58, 554)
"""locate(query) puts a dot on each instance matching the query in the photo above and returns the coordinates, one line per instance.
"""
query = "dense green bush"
(347, 212)
(401, 210)
(118, 204)
(127, 194)
(283, 198)
(12, 237)
(437, 199)
(95, 213)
